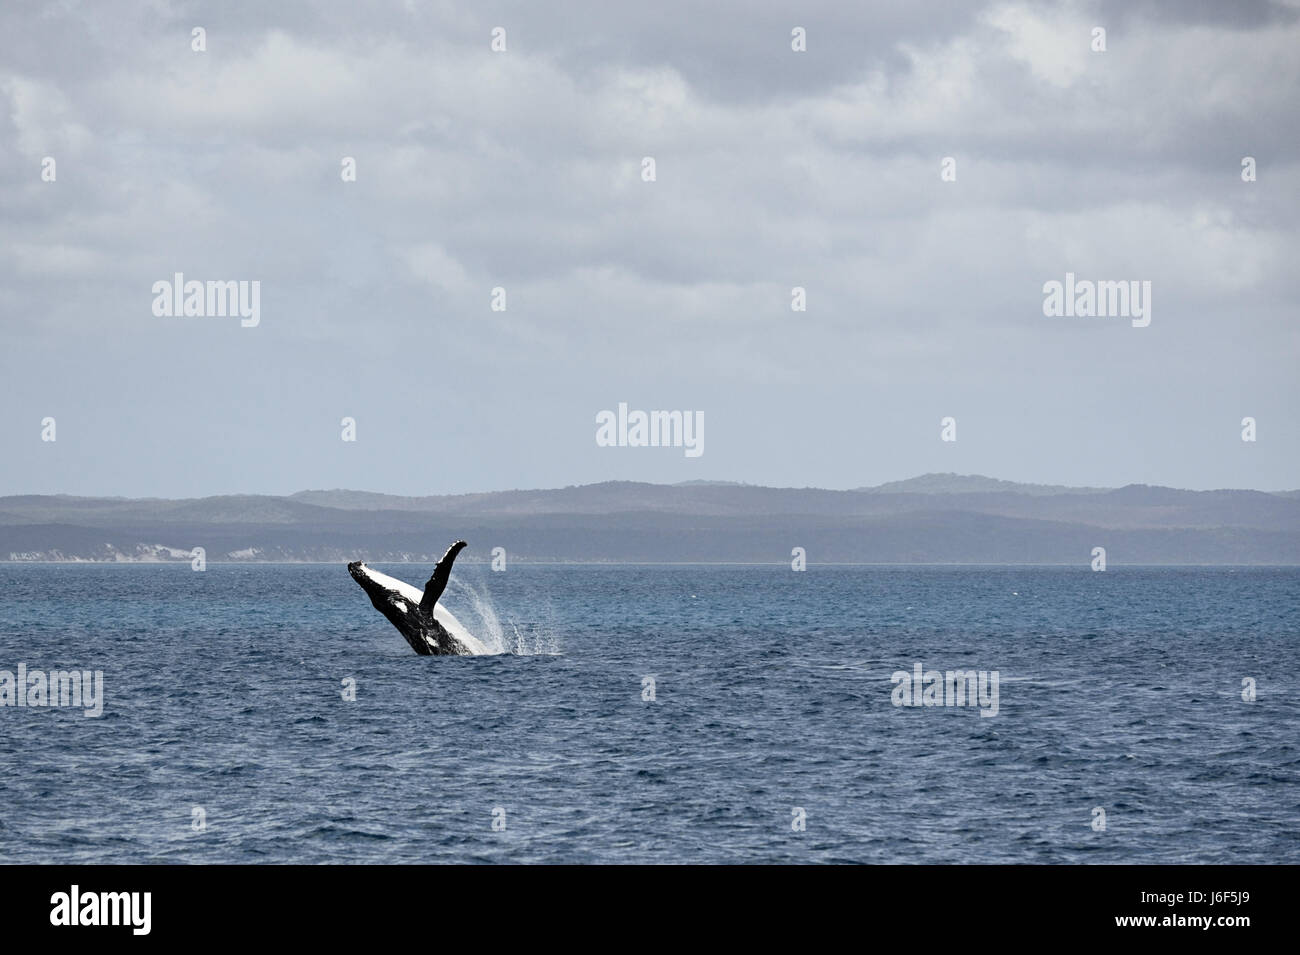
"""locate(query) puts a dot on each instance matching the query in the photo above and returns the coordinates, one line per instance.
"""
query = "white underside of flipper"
(444, 616)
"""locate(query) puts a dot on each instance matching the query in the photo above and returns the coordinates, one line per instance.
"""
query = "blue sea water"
(224, 692)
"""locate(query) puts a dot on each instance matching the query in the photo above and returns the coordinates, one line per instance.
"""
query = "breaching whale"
(429, 627)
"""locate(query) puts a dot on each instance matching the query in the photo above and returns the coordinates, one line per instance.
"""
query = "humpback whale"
(429, 627)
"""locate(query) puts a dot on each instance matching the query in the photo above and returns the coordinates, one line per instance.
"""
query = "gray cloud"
(775, 169)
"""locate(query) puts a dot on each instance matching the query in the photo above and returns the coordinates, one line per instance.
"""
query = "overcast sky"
(523, 169)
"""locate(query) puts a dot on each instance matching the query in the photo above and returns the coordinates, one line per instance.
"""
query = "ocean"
(267, 713)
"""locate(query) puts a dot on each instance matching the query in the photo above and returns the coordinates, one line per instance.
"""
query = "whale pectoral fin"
(441, 574)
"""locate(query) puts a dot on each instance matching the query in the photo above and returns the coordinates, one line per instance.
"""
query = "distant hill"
(937, 518)
(950, 483)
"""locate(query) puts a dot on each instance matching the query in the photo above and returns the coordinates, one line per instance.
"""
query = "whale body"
(429, 627)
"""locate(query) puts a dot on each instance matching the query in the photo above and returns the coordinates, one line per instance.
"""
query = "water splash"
(483, 622)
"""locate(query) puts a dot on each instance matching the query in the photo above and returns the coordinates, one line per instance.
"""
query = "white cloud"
(430, 263)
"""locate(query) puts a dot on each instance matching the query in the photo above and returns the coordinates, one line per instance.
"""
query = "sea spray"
(488, 628)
